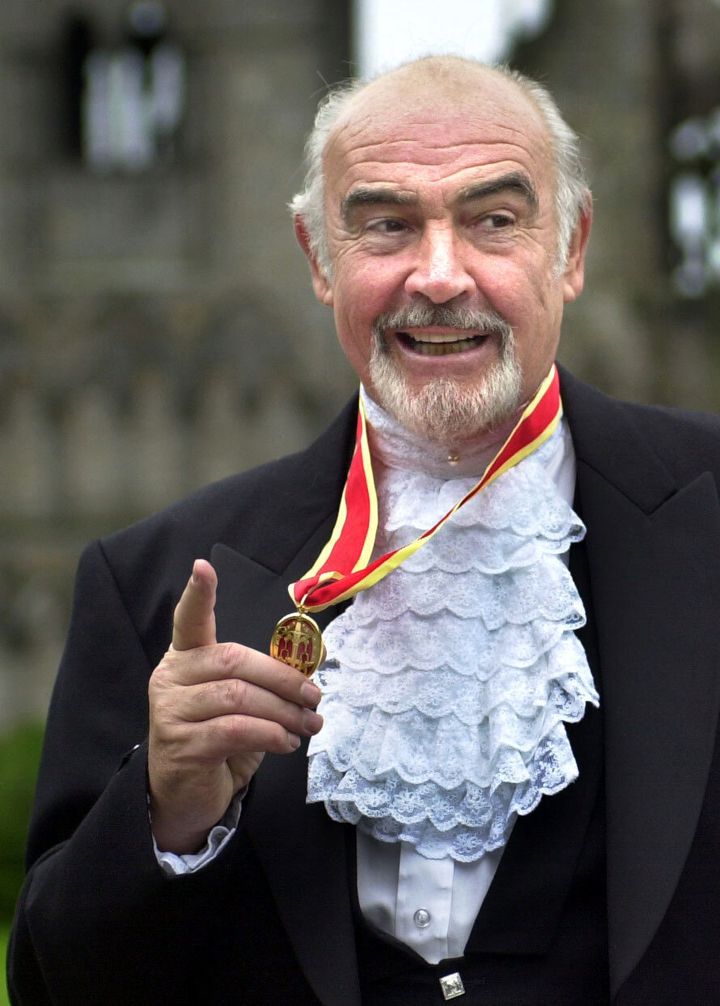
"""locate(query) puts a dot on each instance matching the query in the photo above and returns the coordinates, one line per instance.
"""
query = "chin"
(446, 409)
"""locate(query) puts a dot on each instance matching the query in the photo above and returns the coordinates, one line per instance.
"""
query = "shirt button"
(421, 918)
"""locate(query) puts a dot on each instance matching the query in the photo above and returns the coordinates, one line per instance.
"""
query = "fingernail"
(294, 741)
(310, 693)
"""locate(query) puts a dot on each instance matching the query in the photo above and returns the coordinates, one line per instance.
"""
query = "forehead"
(445, 135)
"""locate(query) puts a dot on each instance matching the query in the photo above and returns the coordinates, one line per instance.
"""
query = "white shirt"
(430, 905)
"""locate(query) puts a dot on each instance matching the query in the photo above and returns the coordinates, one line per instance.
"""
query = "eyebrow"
(514, 181)
(366, 195)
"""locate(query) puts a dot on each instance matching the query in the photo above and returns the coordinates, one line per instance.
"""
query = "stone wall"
(624, 74)
(157, 330)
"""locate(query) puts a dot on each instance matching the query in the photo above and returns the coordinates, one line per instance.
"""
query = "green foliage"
(19, 757)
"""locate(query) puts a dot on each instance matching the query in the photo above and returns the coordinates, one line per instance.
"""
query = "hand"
(215, 709)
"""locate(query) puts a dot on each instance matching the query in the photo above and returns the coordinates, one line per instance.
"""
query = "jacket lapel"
(652, 549)
(304, 853)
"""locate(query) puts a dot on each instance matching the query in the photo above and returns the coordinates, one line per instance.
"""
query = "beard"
(446, 409)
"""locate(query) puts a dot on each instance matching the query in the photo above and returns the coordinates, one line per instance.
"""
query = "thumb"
(194, 619)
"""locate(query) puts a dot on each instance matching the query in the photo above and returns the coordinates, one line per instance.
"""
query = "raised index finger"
(194, 619)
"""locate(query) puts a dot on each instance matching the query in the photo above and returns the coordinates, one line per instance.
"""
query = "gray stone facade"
(157, 330)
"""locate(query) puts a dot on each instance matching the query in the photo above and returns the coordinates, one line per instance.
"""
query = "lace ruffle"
(542, 590)
(463, 822)
(448, 684)
(517, 504)
(464, 694)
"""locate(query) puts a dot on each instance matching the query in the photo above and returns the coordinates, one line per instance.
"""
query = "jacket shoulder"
(687, 443)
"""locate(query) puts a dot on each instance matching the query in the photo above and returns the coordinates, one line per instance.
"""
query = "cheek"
(529, 298)
(363, 290)
(360, 296)
(354, 314)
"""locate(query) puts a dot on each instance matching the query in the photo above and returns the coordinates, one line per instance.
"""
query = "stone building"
(156, 324)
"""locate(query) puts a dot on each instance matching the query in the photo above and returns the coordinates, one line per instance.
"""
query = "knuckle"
(228, 694)
(230, 656)
(164, 730)
(236, 693)
(161, 706)
(237, 732)
(166, 677)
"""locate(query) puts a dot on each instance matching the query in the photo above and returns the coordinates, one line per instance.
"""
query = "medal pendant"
(297, 641)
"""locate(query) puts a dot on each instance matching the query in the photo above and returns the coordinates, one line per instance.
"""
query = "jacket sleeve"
(97, 920)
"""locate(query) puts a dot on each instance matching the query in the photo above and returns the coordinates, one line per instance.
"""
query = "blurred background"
(157, 328)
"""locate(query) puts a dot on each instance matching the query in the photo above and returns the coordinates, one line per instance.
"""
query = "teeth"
(439, 337)
(432, 344)
(443, 348)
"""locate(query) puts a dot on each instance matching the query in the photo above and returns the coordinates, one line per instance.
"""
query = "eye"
(387, 225)
(497, 221)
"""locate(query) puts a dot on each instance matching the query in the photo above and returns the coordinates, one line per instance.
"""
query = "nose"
(439, 272)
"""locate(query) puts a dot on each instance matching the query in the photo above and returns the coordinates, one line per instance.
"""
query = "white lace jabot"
(447, 685)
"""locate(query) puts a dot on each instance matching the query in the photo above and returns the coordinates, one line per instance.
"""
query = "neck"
(398, 447)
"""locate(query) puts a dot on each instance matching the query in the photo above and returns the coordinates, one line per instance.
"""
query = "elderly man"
(510, 792)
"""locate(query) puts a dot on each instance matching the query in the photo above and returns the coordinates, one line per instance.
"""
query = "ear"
(321, 283)
(574, 272)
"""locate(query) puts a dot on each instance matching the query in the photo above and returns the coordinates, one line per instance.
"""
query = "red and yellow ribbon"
(343, 568)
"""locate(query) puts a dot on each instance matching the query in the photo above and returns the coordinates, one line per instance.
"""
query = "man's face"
(441, 227)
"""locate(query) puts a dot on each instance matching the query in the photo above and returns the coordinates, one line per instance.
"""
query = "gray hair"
(572, 195)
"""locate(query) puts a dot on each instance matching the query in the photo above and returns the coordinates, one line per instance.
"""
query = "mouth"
(430, 343)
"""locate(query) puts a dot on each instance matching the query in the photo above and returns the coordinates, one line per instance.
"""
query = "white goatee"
(447, 410)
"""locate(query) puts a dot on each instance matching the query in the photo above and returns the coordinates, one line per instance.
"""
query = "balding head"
(448, 83)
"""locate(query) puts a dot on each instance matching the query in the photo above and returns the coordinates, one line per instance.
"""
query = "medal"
(297, 641)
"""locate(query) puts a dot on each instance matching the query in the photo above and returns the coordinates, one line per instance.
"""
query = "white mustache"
(428, 315)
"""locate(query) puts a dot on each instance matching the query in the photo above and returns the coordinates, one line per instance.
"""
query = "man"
(468, 824)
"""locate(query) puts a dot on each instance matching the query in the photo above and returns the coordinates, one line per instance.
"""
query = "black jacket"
(269, 921)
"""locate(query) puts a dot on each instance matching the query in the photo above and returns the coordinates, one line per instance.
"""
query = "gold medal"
(297, 641)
